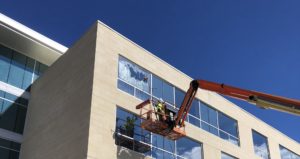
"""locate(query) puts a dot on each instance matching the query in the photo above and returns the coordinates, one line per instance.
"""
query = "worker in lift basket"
(160, 110)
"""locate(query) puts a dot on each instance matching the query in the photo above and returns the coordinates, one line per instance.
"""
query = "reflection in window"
(130, 134)
(226, 156)
(210, 119)
(140, 141)
(162, 89)
(9, 149)
(287, 154)
(228, 128)
(18, 70)
(188, 148)
(194, 121)
(163, 143)
(12, 112)
(260, 144)
(179, 96)
(134, 75)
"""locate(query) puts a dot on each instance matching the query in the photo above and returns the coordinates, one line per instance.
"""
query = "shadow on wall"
(124, 153)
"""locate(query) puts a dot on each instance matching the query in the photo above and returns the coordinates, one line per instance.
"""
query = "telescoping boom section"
(262, 100)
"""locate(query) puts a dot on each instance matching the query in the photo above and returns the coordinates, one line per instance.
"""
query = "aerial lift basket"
(154, 125)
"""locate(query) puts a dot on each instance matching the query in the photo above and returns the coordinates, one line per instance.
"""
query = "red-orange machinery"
(262, 100)
(152, 124)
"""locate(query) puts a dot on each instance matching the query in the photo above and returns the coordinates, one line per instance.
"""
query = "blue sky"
(251, 44)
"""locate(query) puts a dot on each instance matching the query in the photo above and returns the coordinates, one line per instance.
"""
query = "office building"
(59, 103)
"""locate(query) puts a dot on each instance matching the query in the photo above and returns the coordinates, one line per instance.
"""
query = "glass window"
(163, 143)
(141, 95)
(194, 121)
(125, 87)
(179, 96)
(5, 60)
(188, 148)
(209, 118)
(228, 128)
(226, 156)
(162, 89)
(12, 116)
(260, 144)
(287, 154)
(129, 134)
(195, 108)
(28, 73)
(228, 124)
(157, 87)
(9, 149)
(134, 75)
(159, 154)
(13, 98)
(168, 93)
(39, 70)
(16, 71)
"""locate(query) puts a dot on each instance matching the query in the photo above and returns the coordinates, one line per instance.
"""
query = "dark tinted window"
(9, 149)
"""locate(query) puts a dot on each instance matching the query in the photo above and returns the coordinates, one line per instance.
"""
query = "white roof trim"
(18, 27)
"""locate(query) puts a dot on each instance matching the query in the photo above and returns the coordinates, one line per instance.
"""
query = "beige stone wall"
(106, 97)
(57, 124)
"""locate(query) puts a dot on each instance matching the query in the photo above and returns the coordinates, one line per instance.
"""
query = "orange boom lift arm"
(262, 100)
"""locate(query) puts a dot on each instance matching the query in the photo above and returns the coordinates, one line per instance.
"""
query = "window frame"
(267, 142)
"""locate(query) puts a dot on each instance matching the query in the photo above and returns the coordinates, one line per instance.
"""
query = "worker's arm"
(262, 100)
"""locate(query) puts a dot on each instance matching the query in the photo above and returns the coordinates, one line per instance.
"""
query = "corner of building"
(58, 117)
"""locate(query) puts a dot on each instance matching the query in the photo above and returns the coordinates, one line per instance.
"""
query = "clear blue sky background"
(252, 44)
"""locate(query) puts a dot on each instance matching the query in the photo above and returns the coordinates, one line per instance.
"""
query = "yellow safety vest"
(159, 106)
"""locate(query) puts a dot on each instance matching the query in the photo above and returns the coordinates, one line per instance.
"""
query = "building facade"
(78, 103)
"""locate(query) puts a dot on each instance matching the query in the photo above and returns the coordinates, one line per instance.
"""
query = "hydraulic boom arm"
(260, 99)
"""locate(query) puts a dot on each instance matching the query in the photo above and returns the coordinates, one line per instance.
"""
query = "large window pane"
(228, 124)
(125, 87)
(16, 71)
(141, 95)
(228, 128)
(9, 149)
(12, 116)
(195, 108)
(188, 148)
(157, 87)
(162, 89)
(287, 154)
(260, 144)
(194, 121)
(179, 96)
(163, 143)
(28, 73)
(5, 59)
(134, 75)
(168, 93)
(209, 117)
